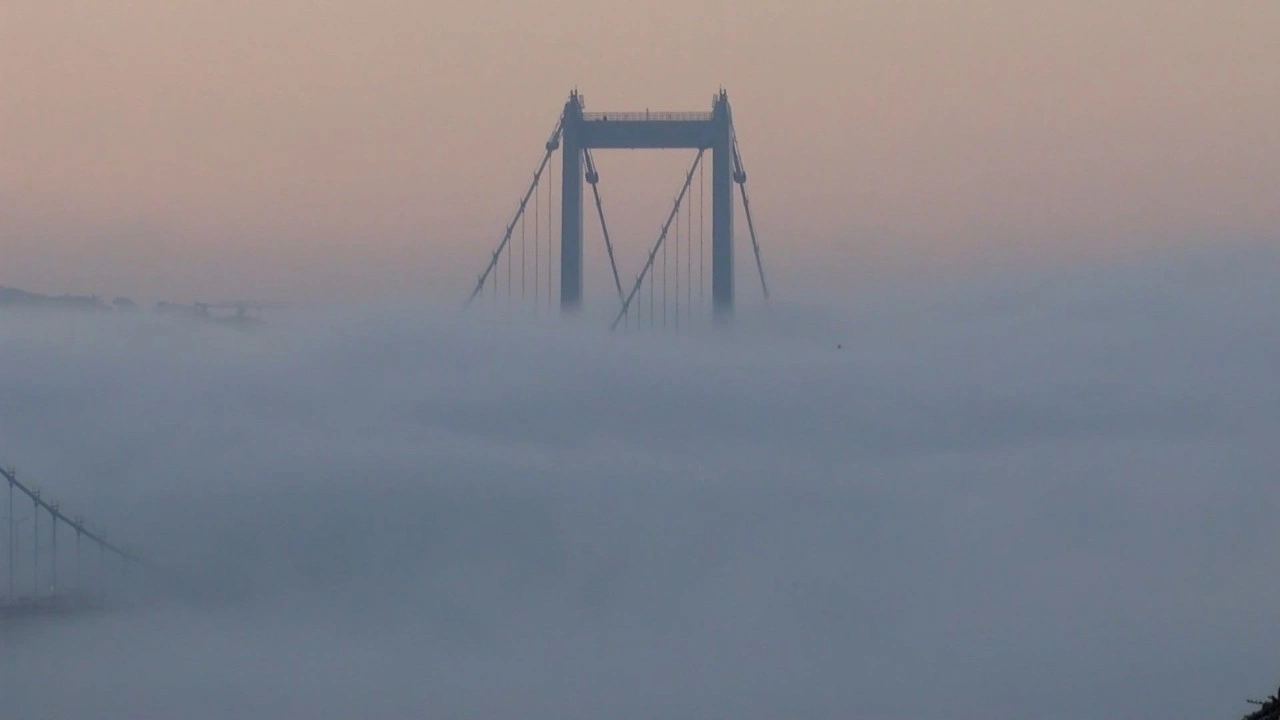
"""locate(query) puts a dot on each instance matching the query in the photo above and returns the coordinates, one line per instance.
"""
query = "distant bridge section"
(46, 594)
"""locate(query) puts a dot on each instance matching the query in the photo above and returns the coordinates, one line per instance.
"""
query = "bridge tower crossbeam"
(704, 131)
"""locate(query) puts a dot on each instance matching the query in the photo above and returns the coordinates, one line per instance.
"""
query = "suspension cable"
(552, 144)
(684, 188)
(58, 515)
(593, 178)
(702, 225)
(740, 176)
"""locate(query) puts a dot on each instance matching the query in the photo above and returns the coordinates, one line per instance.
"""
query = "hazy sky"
(287, 149)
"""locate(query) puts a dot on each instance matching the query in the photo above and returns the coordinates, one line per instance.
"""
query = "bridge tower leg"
(571, 207)
(722, 209)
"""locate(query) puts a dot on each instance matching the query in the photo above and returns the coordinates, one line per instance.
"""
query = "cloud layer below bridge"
(1051, 495)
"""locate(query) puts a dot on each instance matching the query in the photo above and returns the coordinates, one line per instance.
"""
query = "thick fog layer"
(1050, 497)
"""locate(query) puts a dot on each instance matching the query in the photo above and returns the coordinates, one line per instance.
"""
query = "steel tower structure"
(578, 132)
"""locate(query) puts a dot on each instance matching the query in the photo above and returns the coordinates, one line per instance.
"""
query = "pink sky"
(289, 150)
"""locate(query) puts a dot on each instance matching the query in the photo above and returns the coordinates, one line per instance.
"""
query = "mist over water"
(1051, 496)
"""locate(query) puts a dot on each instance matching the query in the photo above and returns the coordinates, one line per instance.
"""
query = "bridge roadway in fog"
(40, 599)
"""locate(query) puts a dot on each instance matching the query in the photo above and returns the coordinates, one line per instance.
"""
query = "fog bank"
(1052, 495)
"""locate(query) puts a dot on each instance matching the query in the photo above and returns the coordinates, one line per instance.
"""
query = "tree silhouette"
(1268, 709)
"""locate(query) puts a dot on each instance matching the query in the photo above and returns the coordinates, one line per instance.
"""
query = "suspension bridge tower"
(576, 134)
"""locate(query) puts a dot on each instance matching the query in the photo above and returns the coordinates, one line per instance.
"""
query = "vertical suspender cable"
(688, 261)
(702, 223)
(12, 557)
(662, 236)
(509, 259)
(55, 516)
(537, 244)
(664, 285)
(651, 284)
(35, 548)
(492, 265)
(677, 251)
(522, 260)
(551, 264)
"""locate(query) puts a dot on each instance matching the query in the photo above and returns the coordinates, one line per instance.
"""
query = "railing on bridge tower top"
(644, 116)
(46, 595)
(576, 134)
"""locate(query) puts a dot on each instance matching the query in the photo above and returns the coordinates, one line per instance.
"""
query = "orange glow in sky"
(291, 149)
